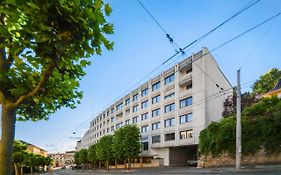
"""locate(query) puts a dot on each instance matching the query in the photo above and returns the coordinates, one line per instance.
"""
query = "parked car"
(192, 162)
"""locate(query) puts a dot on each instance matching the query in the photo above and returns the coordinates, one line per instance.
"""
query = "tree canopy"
(44, 48)
(126, 143)
(267, 81)
(261, 126)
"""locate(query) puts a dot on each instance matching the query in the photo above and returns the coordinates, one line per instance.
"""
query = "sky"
(140, 46)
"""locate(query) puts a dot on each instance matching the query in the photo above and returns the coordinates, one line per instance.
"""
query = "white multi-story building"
(170, 109)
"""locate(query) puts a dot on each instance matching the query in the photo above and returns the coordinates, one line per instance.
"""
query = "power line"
(214, 29)
(200, 38)
(171, 40)
(255, 47)
(247, 31)
(225, 43)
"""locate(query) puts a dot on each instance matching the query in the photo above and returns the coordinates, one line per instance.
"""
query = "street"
(274, 169)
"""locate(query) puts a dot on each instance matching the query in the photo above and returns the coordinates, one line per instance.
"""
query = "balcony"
(185, 80)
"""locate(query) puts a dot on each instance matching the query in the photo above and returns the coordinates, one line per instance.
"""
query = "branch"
(44, 78)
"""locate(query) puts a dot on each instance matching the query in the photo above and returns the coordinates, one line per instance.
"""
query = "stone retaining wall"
(225, 160)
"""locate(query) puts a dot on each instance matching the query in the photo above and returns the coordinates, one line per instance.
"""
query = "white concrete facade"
(190, 96)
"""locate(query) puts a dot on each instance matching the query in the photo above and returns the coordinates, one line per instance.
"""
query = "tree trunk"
(141, 165)
(129, 163)
(21, 170)
(16, 169)
(31, 169)
(107, 165)
(125, 164)
(8, 118)
(115, 163)
(99, 165)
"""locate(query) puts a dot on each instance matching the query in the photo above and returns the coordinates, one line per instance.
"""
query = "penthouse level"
(170, 109)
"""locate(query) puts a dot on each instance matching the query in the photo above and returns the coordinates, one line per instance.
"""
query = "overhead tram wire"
(171, 40)
(187, 46)
(236, 37)
(197, 40)
(214, 29)
(255, 47)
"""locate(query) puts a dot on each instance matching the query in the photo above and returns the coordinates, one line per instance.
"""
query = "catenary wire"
(225, 43)
(175, 55)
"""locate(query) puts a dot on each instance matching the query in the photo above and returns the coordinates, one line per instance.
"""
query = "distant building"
(62, 159)
(170, 110)
(35, 149)
(276, 91)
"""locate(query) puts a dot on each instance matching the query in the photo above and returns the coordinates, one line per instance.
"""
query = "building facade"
(170, 109)
(63, 159)
(35, 149)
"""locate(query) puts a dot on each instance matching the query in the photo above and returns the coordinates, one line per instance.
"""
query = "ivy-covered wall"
(261, 131)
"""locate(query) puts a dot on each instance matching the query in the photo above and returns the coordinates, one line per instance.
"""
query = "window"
(119, 106)
(169, 79)
(135, 97)
(119, 125)
(185, 118)
(135, 108)
(144, 128)
(169, 95)
(144, 104)
(156, 99)
(135, 119)
(170, 122)
(112, 128)
(186, 102)
(186, 134)
(170, 136)
(127, 102)
(112, 110)
(155, 126)
(112, 119)
(144, 116)
(155, 112)
(127, 122)
(107, 130)
(156, 86)
(156, 139)
(144, 143)
(144, 92)
(169, 108)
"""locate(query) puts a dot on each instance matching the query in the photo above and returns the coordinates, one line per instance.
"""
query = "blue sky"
(140, 46)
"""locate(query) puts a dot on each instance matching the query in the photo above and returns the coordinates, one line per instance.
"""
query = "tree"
(126, 143)
(83, 156)
(247, 99)
(44, 48)
(104, 149)
(30, 160)
(267, 81)
(92, 157)
(19, 154)
(76, 158)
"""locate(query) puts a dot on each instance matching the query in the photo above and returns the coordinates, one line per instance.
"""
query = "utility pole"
(238, 123)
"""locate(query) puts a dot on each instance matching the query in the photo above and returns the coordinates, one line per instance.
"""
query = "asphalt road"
(276, 169)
